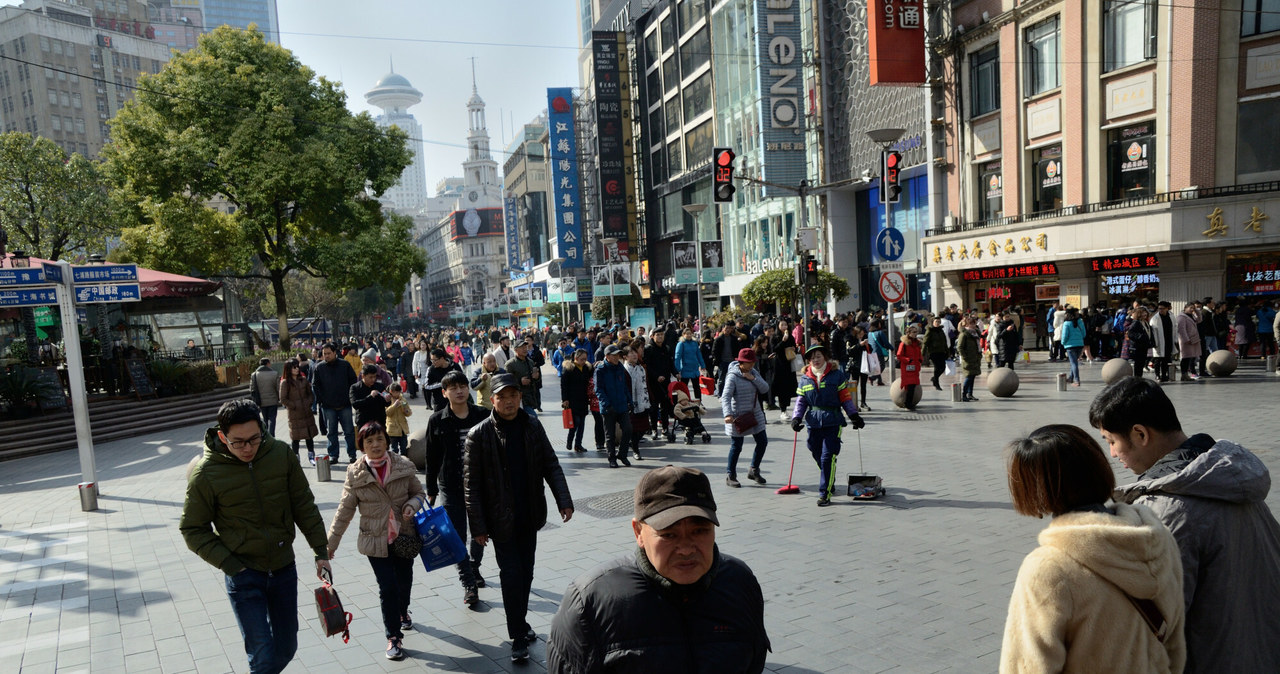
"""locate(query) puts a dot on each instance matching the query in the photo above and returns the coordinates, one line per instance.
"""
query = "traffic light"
(722, 166)
(890, 187)
(810, 270)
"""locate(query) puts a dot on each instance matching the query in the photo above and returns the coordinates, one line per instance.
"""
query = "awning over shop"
(162, 284)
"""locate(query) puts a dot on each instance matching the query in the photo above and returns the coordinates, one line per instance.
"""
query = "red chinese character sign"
(895, 40)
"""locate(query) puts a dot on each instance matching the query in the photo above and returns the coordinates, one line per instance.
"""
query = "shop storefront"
(1253, 274)
(995, 289)
(1124, 278)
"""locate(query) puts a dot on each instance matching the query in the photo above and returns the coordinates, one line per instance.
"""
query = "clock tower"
(480, 171)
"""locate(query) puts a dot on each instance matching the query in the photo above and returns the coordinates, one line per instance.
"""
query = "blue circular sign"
(890, 244)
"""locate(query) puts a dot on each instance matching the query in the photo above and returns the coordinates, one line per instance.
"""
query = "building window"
(1047, 190)
(1258, 137)
(1260, 16)
(697, 97)
(1131, 162)
(1129, 29)
(1042, 57)
(695, 52)
(675, 161)
(672, 108)
(670, 73)
(984, 80)
(990, 191)
(699, 142)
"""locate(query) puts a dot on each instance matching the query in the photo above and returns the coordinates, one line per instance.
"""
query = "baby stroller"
(688, 412)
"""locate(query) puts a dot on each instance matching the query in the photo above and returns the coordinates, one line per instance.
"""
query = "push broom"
(791, 488)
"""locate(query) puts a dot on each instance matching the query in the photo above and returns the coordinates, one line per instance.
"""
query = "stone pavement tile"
(216, 665)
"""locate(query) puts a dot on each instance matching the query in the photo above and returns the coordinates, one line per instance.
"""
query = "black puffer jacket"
(623, 617)
(486, 480)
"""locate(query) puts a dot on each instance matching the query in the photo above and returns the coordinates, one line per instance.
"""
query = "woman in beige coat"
(386, 490)
(1103, 592)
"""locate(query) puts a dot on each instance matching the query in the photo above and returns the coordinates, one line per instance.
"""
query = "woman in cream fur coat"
(1072, 608)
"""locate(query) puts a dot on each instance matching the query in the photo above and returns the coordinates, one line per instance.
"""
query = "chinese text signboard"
(1014, 271)
(1121, 262)
(513, 231)
(610, 121)
(564, 177)
(895, 40)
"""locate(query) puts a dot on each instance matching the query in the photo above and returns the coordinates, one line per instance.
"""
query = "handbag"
(790, 354)
(640, 422)
(951, 367)
(406, 546)
(333, 620)
(566, 415)
(441, 545)
(707, 385)
(743, 423)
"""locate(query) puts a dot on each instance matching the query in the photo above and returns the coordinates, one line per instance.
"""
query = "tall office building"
(241, 13)
(394, 95)
(68, 69)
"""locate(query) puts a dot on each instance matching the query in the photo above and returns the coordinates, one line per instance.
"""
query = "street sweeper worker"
(824, 391)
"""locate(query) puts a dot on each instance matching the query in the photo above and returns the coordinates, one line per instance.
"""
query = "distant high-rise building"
(394, 95)
(241, 13)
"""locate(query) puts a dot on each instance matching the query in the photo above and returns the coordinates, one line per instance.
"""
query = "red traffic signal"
(890, 186)
(722, 178)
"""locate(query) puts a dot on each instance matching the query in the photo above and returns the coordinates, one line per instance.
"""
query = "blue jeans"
(735, 450)
(1073, 355)
(266, 608)
(824, 445)
(395, 582)
(967, 390)
(530, 411)
(331, 420)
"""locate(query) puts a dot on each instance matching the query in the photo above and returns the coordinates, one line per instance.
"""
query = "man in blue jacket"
(613, 390)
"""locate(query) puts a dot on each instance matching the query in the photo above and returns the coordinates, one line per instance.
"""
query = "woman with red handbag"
(575, 378)
(743, 415)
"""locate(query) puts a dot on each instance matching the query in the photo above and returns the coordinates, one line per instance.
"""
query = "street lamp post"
(885, 138)
(695, 210)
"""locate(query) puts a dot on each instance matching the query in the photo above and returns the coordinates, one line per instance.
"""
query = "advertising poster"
(684, 255)
(712, 261)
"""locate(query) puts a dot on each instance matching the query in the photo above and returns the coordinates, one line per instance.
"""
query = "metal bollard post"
(1271, 364)
(88, 496)
(1062, 381)
(955, 393)
(322, 468)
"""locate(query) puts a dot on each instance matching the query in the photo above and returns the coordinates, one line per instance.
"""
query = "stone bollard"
(1271, 364)
(88, 496)
(322, 468)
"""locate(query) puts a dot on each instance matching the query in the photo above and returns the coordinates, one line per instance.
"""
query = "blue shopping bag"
(441, 545)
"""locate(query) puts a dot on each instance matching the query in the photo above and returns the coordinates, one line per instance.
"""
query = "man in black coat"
(675, 604)
(432, 392)
(331, 380)
(369, 398)
(660, 370)
(507, 459)
(725, 348)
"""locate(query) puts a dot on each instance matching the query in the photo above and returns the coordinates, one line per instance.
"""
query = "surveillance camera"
(866, 175)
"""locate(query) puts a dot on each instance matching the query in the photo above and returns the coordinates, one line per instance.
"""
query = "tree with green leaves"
(779, 286)
(602, 307)
(241, 123)
(52, 204)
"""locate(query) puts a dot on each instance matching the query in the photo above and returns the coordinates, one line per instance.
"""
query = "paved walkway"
(915, 583)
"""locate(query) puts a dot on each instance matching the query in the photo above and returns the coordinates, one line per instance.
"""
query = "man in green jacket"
(251, 489)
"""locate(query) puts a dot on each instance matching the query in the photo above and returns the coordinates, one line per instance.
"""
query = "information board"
(138, 375)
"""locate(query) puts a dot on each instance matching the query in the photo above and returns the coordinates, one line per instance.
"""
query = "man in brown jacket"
(507, 458)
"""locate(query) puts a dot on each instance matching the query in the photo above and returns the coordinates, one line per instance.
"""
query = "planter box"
(244, 370)
(228, 375)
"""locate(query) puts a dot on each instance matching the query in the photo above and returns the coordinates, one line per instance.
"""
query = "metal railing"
(1187, 194)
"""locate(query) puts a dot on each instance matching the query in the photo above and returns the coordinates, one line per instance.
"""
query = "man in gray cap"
(676, 605)
(507, 458)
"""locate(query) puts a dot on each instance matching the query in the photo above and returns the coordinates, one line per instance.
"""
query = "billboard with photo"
(477, 222)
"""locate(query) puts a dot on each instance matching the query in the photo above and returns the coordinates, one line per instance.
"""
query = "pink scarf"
(381, 470)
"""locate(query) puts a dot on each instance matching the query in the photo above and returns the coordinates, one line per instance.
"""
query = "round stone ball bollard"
(417, 450)
(1115, 370)
(1221, 363)
(899, 396)
(1002, 382)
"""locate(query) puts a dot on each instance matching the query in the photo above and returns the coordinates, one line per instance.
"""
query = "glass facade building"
(241, 13)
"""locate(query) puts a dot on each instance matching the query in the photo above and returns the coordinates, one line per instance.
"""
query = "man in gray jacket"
(1211, 495)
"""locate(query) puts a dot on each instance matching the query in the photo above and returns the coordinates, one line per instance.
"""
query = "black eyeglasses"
(241, 444)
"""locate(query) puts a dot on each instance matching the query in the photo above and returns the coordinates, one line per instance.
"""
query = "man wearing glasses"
(244, 499)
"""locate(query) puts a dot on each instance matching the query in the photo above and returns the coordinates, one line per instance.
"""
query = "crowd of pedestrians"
(1174, 572)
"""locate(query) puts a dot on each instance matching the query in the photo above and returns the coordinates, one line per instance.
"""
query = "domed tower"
(394, 95)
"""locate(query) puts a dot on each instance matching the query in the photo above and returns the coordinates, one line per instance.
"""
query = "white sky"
(350, 41)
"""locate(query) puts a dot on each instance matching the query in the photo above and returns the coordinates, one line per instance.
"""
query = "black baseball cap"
(503, 381)
(669, 494)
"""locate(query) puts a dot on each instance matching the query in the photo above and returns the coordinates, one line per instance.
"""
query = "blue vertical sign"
(782, 98)
(564, 177)
(513, 231)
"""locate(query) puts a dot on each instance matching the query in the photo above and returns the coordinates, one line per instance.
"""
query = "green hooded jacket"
(241, 515)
